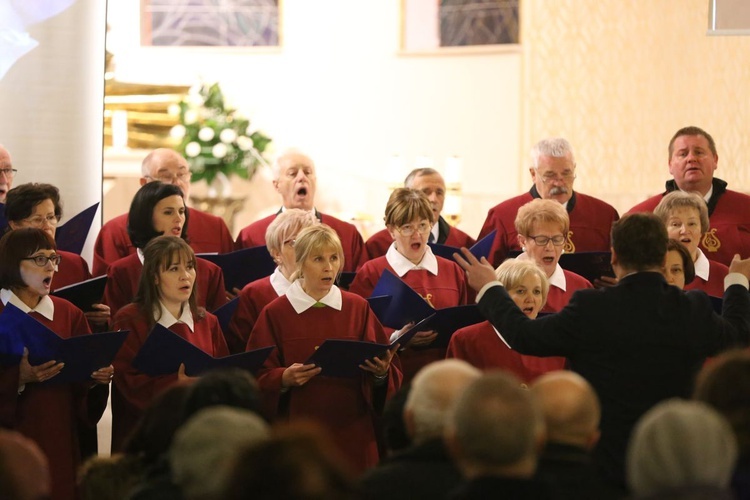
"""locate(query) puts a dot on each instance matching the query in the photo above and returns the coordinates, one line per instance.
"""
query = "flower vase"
(220, 186)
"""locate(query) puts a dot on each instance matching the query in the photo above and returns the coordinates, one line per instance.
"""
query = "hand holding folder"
(82, 355)
(164, 351)
(242, 266)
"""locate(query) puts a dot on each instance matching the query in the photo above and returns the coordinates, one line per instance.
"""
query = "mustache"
(558, 190)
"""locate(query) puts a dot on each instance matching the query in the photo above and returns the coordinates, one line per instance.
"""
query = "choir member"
(280, 237)
(678, 265)
(686, 217)
(45, 412)
(157, 209)
(312, 310)
(481, 345)
(166, 295)
(409, 219)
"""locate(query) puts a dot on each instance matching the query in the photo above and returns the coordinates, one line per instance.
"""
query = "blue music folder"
(242, 266)
(590, 265)
(72, 235)
(3, 220)
(405, 305)
(224, 314)
(341, 358)
(82, 355)
(164, 351)
(84, 294)
(480, 249)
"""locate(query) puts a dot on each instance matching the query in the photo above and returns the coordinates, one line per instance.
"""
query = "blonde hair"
(315, 238)
(539, 210)
(680, 199)
(286, 225)
(513, 271)
(405, 205)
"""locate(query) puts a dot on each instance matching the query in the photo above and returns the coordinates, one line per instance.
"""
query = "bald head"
(168, 166)
(23, 468)
(570, 407)
(6, 173)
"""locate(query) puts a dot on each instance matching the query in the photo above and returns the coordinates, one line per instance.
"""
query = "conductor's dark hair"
(640, 241)
(140, 218)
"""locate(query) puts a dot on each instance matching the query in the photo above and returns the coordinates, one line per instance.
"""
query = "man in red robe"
(6, 173)
(295, 181)
(206, 234)
(553, 172)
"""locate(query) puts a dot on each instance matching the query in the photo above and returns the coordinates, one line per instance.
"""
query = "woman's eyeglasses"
(41, 260)
(558, 240)
(408, 229)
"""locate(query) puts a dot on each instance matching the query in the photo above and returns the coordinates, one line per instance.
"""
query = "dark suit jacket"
(637, 343)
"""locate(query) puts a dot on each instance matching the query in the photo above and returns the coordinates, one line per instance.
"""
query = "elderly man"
(553, 171)
(692, 162)
(6, 173)
(295, 181)
(431, 183)
(206, 233)
(425, 466)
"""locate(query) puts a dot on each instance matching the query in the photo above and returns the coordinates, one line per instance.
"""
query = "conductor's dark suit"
(637, 343)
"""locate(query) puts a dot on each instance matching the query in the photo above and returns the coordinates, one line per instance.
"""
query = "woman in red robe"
(46, 413)
(409, 219)
(280, 237)
(481, 344)
(166, 295)
(312, 310)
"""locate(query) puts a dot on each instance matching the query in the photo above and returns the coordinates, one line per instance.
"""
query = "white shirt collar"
(402, 265)
(167, 319)
(558, 277)
(45, 307)
(140, 255)
(702, 266)
(279, 282)
(301, 302)
(435, 232)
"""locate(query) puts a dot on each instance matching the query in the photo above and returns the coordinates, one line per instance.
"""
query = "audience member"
(494, 433)
(7, 172)
(553, 171)
(637, 343)
(24, 473)
(425, 466)
(679, 269)
(231, 387)
(681, 450)
(107, 478)
(296, 182)
(692, 162)
(431, 183)
(208, 233)
(393, 428)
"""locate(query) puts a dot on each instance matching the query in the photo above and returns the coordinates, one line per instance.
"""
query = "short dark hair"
(232, 387)
(692, 130)
(21, 200)
(17, 245)
(640, 241)
(688, 267)
(140, 217)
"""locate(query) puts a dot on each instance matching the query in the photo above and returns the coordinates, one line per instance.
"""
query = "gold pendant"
(569, 246)
(710, 241)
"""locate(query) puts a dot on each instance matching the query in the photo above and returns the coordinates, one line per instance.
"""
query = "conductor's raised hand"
(478, 273)
(298, 374)
(39, 373)
(741, 266)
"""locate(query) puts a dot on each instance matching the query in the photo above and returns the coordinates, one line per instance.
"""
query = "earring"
(523, 249)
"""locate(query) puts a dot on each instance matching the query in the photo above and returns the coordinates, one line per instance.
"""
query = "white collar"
(279, 282)
(301, 302)
(140, 255)
(702, 266)
(558, 277)
(45, 307)
(402, 265)
(435, 231)
(167, 319)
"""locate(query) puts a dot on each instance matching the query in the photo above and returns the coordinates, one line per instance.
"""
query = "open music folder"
(242, 266)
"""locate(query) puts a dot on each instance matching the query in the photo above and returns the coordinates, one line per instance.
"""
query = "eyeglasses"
(558, 240)
(566, 177)
(38, 220)
(41, 260)
(172, 178)
(8, 172)
(408, 229)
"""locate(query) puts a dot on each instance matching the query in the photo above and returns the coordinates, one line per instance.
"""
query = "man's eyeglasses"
(38, 220)
(558, 240)
(408, 229)
(566, 177)
(41, 260)
(8, 172)
(171, 178)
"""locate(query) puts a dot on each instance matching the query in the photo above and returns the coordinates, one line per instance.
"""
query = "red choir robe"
(590, 224)
(446, 289)
(345, 407)
(714, 285)
(557, 298)
(125, 274)
(480, 346)
(133, 391)
(255, 235)
(49, 413)
(253, 298)
(206, 234)
(377, 244)
(72, 269)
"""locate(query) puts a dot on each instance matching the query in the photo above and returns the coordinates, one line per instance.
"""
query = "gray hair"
(276, 167)
(680, 199)
(205, 446)
(286, 225)
(432, 394)
(680, 444)
(556, 147)
(418, 172)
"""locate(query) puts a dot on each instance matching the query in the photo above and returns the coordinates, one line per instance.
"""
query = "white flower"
(190, 116)
(227, 136)
(219, 150)
(249, 131)
(173, 109)
(193, 149)
(244, 143)
(206, 134)
(177, 132)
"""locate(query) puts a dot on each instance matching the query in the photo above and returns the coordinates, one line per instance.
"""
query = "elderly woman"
(48, 413)
(441, 282)
(542, 226)
(678, 265)
(481, 345)
(312, 310)
(686, 217)
(280, 237)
